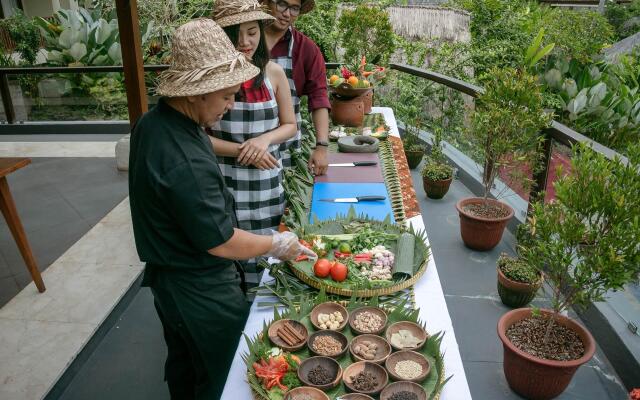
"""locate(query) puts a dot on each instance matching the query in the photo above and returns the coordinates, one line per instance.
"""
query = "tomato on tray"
(322, 268)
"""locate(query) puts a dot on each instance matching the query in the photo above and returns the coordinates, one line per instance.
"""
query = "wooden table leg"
(10, 213)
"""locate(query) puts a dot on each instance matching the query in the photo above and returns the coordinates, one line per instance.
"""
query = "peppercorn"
(404, 395)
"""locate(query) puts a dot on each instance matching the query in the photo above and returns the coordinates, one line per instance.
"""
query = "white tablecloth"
(429, 298)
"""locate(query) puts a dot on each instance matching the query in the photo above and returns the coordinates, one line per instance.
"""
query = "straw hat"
(305, 5)
(203, 60)
(234, 12)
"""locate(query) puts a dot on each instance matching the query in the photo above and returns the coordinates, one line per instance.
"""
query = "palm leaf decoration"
(400, 312)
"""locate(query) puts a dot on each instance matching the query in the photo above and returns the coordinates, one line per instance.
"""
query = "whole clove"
(319, 375)
(364, 381)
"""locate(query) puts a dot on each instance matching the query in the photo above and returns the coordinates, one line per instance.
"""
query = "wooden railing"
(557, 131)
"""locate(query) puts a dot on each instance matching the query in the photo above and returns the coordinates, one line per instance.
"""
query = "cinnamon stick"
(285, 336)
(292, 330)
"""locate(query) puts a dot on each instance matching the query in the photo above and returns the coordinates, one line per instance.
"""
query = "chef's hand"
(253, 149)
(318, 162)
(285, 246)
(268, 161)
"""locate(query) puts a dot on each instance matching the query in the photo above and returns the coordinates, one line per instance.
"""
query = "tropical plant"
(586, 241)
(321, 26)
(601, 100)
(625, 18)
(25, 34)
(366, 30)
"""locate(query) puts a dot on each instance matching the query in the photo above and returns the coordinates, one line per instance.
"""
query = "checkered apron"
(259, 194)
(286, 62)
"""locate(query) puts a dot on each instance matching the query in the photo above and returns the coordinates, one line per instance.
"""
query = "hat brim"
(307, 6)
(212, 82)
(240, 18)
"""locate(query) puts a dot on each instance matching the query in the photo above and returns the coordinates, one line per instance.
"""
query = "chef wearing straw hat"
(247, 139)
(183, 215)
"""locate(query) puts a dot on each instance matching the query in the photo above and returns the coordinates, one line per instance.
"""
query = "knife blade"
(354, 164)
(356, 199)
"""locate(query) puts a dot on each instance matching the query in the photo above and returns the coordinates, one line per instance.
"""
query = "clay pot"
(537, 378)
(436, 189)
(516, 294)
(481, 233)
(347, 112)
(367, 100)
(414, 157)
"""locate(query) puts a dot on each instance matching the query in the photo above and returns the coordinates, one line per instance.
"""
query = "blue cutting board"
(324, 210)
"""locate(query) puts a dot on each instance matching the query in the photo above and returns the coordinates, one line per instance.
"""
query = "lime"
(345, 248)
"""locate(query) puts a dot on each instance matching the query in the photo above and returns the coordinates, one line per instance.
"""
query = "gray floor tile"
(41, 213)
(61, 138)
(487, 382)
(94, 203)
(128, 363)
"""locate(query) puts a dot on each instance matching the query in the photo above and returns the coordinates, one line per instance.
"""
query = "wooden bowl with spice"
(407, 365)
(369, 347)
(365, 377)
(406, 335)
(367, 320)
(328, 343)
(329, 315)
(403, 391)
(322, 373)
(354, 396)
(306, 393)
(288, 334)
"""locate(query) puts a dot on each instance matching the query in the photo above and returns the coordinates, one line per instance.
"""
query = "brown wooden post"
(7, 102)
(130, 43)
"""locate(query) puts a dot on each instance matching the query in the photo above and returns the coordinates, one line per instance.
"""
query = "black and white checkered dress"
(259, 194)
(286, 62)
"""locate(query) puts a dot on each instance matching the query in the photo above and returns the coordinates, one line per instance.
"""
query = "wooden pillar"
(130, 43)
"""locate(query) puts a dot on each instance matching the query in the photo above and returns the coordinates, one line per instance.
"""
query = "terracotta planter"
(436, 189)
(533, 377)
(516, 294)
(480, 233)
(347, 112)
(367, 100)
(414, 157)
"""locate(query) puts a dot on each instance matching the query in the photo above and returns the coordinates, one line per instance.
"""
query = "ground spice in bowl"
(364, 381)
(326, 345)
(404, 395)
(319, 376)
(408, 369)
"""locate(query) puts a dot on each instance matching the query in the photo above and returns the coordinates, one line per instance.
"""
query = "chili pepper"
(302, 257)
(340, 255)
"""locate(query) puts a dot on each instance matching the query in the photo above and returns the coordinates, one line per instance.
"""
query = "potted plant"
(586, 244)
(413, 149)
(436, 173)
(518, 282)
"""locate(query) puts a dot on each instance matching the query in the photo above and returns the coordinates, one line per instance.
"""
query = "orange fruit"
(333, 79)
(353, 81)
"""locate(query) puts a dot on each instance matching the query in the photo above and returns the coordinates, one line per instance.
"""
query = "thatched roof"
(430, 22)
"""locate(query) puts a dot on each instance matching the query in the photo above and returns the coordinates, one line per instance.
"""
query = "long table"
(429, 298)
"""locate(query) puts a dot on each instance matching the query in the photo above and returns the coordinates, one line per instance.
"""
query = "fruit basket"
(361, 257)
(269, 366)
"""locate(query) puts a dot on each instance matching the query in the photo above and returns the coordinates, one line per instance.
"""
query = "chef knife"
(356, 199)
(354, 164)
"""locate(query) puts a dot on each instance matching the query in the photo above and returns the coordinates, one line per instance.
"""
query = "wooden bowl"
(328, 363)
(355, 368)
(336, 335)
(308, 393)
(277, 341)
(346, 90)
(416, 330)
(383, 351)
(403, 386)
(374, 310)
(354, 396)
(404, 355)
(329, 308)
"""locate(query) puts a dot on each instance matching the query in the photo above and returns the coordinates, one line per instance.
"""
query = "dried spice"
(302, 396)
(404, 395)
(319, 375)
(367, 322)
(330, 321)
(364, 381)
(290, 334)
(408, 369)
(326, 345)
(366, 349)
(404, 339)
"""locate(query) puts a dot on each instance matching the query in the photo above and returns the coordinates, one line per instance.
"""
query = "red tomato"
(322, 268)
(339, 272)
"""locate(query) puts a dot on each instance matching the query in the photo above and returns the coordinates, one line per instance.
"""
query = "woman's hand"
(253, 150)
(267, 162)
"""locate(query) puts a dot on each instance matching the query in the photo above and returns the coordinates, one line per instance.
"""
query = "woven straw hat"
(234, 12)
(203, 60)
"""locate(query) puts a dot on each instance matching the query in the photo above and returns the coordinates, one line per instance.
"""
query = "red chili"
(302, 257)
(340, 255)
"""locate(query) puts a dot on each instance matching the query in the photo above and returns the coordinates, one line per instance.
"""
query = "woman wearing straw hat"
(247, 138)
(183, 215)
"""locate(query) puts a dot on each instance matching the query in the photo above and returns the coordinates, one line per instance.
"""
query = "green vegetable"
(404, 256)
(291, 380)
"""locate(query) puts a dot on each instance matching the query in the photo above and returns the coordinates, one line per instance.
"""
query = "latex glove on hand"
(285, 246)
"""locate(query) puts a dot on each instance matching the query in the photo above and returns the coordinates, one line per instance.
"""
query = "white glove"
(285, 246)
